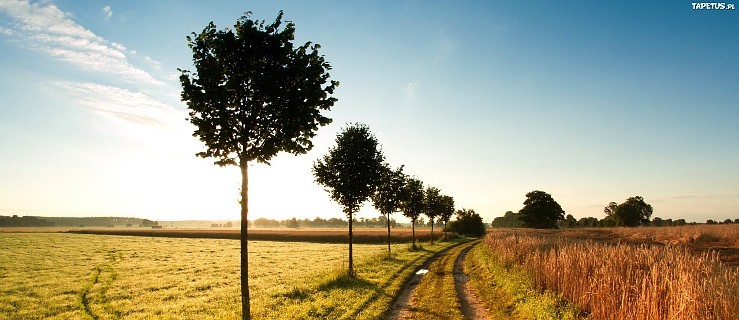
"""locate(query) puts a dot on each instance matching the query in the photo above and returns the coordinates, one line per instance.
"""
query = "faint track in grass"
(106, 271)
(84, 298)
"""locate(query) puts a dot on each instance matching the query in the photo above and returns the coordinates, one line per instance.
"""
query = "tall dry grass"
(621, 281)
(713, 235)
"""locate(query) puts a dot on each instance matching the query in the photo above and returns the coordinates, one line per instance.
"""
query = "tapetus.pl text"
(713, 6)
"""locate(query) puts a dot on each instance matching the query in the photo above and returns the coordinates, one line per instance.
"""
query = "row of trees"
(541, 211)
(354, 171)
(254, 93)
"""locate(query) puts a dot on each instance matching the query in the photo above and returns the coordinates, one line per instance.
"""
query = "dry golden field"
(638, 273)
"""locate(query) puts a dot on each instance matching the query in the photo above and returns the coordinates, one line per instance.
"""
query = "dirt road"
(471, 307)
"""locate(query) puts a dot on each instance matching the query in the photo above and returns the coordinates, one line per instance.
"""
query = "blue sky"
(486, 100)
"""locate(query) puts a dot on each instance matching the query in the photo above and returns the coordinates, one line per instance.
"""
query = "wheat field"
(612, 280)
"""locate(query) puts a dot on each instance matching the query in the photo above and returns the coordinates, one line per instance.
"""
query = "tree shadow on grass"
(344, 281)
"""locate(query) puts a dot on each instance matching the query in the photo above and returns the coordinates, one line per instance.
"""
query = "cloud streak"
(122, 104)
(44, 27)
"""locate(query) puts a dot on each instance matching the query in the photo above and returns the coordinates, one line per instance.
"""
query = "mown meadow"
(73, 276)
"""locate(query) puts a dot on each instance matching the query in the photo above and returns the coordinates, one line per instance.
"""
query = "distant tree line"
(541, 211)
(32, 221)
(319, 222)
(222, 225)
(26, 221)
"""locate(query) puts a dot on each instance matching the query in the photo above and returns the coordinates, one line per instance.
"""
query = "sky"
(486, 100)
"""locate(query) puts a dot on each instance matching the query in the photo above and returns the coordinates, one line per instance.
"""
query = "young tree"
(540, 211)
(253, 95)
(432, 206)
(351, 171)
(412, 203)
(389, 194)
(447, 211)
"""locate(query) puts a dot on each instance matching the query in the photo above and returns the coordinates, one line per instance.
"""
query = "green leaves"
(351, 170)
(633, 212)
(389, 194)
(254, 93)
(413, 198)
(540, 211)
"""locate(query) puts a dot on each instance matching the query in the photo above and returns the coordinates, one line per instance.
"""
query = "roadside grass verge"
(508, 292)
(369, 295)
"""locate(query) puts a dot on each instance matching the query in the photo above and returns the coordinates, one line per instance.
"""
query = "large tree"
(351, 171)
(389, 195)
(633, 212)
(540, 211)
(252, 95)
(432, 206)
(413, 203)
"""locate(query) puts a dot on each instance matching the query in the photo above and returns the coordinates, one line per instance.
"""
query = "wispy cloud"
(121, 104)
(41, 25)
(410, 92)
(107, 12)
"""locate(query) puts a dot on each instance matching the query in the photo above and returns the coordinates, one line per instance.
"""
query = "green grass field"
(70, 276)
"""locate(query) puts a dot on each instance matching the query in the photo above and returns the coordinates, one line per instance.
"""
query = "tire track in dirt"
(472, 308)
(401, 307)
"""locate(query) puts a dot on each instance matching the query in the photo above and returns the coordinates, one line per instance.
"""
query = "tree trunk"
(351, 260)
(432, 230)
(245, 308)
(413, 229)
(388, 236)
(445, 231)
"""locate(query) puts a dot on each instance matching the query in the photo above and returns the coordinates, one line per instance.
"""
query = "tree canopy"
(432, 206)
(447, 208)
(252, 95)
(540, 211)
(351, 171)
(388, 196)
(468, 223)
(508, 220)
(633, 212)
(413, 204)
